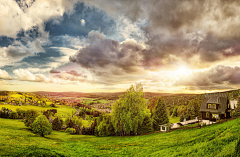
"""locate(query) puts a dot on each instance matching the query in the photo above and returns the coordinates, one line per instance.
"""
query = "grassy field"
(174, 120)
(62, 110)
(214, 140)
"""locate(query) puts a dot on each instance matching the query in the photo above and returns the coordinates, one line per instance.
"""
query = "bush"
(70, 130)
(21, 113)
(13, 115)
(42, 126)
(31, 115)
(236, 114)
(57, 124)
(204, 124)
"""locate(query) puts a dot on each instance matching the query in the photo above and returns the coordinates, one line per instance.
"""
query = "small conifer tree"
(160, 115)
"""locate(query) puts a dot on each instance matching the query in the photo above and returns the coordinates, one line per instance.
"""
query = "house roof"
(213, 100)
(216, 98)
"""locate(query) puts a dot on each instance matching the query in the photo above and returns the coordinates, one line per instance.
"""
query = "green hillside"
(215, 140)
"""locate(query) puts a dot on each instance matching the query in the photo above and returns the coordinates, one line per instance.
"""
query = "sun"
(183, 71)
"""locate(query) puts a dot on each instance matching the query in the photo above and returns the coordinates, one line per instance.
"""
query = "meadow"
(62, 110)
(214, 140)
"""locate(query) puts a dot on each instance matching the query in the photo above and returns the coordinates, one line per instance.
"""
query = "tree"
(174, 114)
(30, 116)
(57, 124)
(147, 125)
(160, 115)
(42, 126)
(128, 110)
(151, 106)
(70, 124)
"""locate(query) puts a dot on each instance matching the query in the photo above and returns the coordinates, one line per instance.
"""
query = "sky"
(108, 45)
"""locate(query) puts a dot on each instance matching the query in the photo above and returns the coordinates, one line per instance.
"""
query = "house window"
(215, 116)
(212, 106)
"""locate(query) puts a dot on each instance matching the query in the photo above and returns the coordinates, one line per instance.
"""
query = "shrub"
(204, 124)
(236, 114)
(42, 126)
(21, 113)
(70, 130)
(31, 115)
(57, 124)
(13, 115)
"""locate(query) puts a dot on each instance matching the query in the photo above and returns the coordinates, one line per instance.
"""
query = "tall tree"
(42, 126)
(151, 106)
(128, 111)
(160, 115)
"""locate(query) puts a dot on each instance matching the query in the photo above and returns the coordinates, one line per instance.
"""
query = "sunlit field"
(215, 140)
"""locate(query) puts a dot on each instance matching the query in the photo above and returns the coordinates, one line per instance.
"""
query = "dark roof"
(215, 98)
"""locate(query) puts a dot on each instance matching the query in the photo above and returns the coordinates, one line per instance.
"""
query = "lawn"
(174, 119)
(62, 110)
(214, 140)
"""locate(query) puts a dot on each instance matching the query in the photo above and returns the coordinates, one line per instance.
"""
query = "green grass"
(189, 126)
(214, 140)
(62, 110)
(174, 120)
(103, 101)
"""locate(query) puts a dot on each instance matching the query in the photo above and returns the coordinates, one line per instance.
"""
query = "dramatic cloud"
(26, 14)
(195, 32)
(107, 54)
(219, 77)
(4, 75)
(18, 51)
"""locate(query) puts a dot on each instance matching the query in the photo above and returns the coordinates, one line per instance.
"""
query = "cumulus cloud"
(17, 51)
(4, 75)
(25, 75)
(218, 77)
(26, 14)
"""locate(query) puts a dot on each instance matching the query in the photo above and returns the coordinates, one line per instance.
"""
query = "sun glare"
(184, 71)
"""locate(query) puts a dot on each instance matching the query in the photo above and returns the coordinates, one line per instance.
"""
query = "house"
(233, 103)
(215, 106)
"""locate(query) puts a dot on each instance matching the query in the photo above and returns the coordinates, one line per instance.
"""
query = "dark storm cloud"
(213, 77)
(104, 53)
(182, 29)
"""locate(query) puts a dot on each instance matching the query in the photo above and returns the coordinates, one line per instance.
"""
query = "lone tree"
(160, 115)
(42, 126)
(129, 111)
